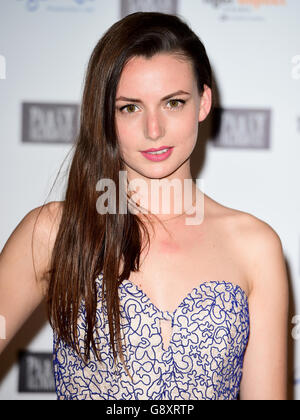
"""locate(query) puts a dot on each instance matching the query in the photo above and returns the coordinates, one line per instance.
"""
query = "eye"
(127, 107)
(176, 101)
(130, 107)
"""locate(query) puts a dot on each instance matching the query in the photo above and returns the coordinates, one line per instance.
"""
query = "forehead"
(157, 72)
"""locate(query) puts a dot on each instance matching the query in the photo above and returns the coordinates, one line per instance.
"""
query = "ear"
(205, 103)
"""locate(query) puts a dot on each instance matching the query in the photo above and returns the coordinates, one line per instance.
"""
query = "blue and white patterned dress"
(204, 360)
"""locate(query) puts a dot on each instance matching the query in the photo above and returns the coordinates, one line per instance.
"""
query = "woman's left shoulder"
(261, 250)
(252, 229)
(249, 230)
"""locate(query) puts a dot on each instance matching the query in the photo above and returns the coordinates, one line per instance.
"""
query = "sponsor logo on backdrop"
(58, 5)
(49, 123)
(243, 128)
(163, 6)
(36, 372)
(2, 67)
(218, 3)
(296, 67)
(238, 10)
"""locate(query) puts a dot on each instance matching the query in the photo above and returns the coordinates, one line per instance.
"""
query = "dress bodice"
(204, 358)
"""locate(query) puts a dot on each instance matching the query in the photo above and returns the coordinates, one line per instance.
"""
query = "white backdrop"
(255, 53)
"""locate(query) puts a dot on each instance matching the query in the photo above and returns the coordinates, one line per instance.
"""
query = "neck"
(165, 199)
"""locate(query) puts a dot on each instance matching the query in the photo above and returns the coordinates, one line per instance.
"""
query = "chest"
(176, 263)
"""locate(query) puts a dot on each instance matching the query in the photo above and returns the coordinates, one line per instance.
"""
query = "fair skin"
(153, 122)
(22, 287)
(229, 245)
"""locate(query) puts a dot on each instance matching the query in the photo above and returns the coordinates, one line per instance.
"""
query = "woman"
(181, 311)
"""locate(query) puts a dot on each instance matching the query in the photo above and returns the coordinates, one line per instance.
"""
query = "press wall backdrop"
(251, 163)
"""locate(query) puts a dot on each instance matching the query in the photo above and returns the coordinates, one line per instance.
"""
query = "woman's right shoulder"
(44, 221)
(31, 243)
(45, 216)
(24, 262)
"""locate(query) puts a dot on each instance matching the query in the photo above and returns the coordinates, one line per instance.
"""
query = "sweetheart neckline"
(236, 286)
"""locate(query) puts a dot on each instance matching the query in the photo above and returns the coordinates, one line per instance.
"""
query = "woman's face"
(145, 119)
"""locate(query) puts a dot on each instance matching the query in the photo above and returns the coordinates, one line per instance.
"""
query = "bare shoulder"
(46, 217)
(38, 231)
(266, 271)
(24, 263)
(255, 234)
(46, 220)
(256, 244)
(25, 258)
(245, 226)
(251, 228)
(260, 250)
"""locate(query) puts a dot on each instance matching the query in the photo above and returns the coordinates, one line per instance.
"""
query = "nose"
(154, 126)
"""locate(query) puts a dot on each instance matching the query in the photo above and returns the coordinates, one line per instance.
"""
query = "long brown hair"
(88, 243)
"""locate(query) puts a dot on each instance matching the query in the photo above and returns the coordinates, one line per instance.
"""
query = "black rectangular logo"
(49, 123)
(36, 372)
(242, 128)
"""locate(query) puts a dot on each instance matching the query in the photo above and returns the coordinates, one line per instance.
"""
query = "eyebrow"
(179, 92)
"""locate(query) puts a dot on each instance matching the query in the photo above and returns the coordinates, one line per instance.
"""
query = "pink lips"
(157, 150)
(160, 157)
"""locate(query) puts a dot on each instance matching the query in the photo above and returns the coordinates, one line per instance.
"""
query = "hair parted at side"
(88, 243)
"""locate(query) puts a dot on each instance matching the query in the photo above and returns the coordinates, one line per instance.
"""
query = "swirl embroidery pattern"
(204, 359)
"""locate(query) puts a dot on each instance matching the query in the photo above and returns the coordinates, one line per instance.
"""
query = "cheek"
(187, 128)
(125, 134)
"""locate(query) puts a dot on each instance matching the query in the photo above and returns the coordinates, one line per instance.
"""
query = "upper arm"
(265, 359)
(23, 262)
